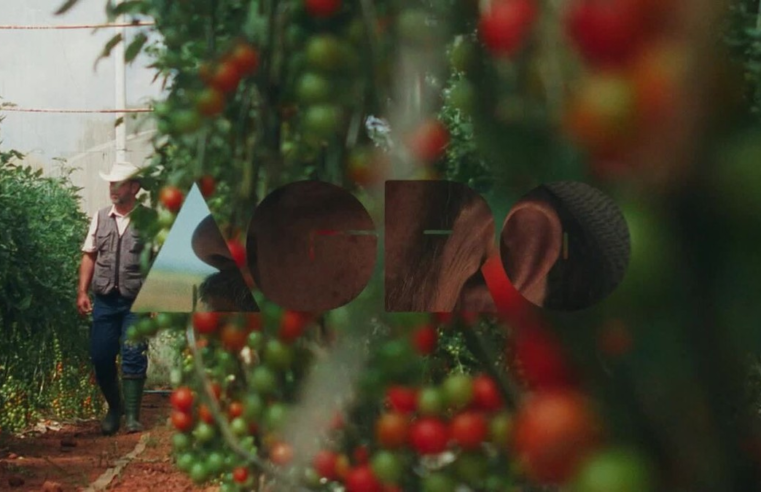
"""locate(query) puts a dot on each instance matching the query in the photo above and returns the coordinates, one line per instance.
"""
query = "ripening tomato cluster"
(223, 77)
(633, 77)
(464, 417)
(250, 368)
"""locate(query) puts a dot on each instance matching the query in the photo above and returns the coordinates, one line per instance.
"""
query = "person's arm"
(86, 270)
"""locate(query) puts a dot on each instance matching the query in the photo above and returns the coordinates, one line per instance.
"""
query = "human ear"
(530, 244)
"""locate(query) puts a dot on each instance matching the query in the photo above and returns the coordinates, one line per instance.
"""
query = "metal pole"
(121, 91)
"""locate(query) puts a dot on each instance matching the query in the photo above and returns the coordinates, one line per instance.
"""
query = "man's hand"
(84, 306)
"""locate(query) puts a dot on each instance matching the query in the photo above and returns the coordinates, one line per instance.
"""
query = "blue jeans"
(111, 318)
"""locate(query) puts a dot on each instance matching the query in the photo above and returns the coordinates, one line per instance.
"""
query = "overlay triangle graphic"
(194, 266)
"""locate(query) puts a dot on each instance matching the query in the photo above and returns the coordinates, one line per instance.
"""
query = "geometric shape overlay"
(194, 260)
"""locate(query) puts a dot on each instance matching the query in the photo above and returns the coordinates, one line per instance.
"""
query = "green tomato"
(322, 120)
(164, 320)
(387, 467)
(458, 390)
(313, 88)
(255, 340)
(199, 473)
(227, 362)
(185, 461)
(462, 96)
(615, 470)
(146, 327)
(275, 416)
(215, 462)
(500, 427)
(463, 54)
(263, 380)
(253, 406)
(278, 355)
(471, 468)
(438, 482)
(133, 334)
(165, 218)
(396, 357)
(324, 52)
(204, 432)
(185, 121)
(239, 426)
(311, 478)
(430, 401)
(181, 442)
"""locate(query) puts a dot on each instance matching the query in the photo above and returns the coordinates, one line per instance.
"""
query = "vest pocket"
(103, 241)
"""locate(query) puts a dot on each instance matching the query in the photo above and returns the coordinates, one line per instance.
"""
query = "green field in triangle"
(194, 270)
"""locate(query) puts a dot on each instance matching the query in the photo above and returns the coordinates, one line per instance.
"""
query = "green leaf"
(128, 7)
(109, 46)
(134, 47)
(66, 6)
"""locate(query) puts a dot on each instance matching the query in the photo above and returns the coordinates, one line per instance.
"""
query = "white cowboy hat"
(121, 171)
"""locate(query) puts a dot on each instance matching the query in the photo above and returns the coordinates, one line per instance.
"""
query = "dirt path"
(78, 458)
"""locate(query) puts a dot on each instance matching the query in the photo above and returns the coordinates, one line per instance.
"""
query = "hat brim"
(115, 178)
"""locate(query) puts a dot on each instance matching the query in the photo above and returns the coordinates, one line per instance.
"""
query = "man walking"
(111, 263)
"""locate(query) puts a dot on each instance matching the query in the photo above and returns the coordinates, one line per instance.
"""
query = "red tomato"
(425, 339)
(429, 436)
(606, 32)
(361, 455)
(362, 479)
(216, 390)
(207, 185)
(281, 454)
(486, 394)
(235, 409)
(539, 356)
(226, 77)
(429, 141)
(238, 252)
(240, 474)
(233, 338)
(401, 399)
(504, 26)
(182, 421)
(325, 463)
(554, 432)
(292, 325)
(210, 102)
(469, 430)
(391, 430)
(245, 58)
(205, 414)
(206, 323)
(182, 399)
(322, 8)
(171, 198)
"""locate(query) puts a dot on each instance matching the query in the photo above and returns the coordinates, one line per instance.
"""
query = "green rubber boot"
(110, 424)
(133, 396)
